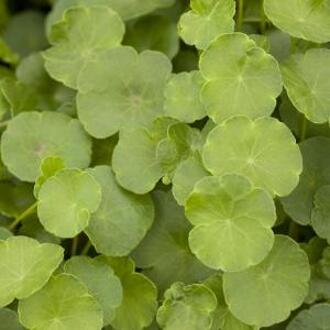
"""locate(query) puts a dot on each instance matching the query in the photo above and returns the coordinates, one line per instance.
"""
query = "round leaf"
(64, 303)
(122, 220)
(263, 150)
(306, 19)
(77, 39)
(265, 294)
(33, 136)
(232, 222)
(316, 163)
(9, 320)
(315, 318)
(122, 89)
(25, 266)
(306, 79)
(182, 99)
(187, 307)
(101, 282)
(207, 20)
(241, 78)
(66, 201)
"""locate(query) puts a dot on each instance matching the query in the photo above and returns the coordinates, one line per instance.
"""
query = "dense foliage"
(165, 164)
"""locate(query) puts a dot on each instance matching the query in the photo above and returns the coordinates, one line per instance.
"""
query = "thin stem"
(263, 20)
(23, 216)
(294, 230)
(74, 245)
(303, 129)
(86, 248)
(240, 14)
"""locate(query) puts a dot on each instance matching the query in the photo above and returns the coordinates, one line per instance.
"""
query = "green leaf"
(66, 202)
(315, 318)
(64, 303)
(241, 78)
(307, 84)
(25, 267)
(139, 304)
(49, 167)
(5, 233)
(6, 54)
(101, 282)
(33, 136)
(164, 254)
(9, 320)
(306, 19)
(232, 222)
(320, 218)
(186, 175)
(207, 20)
(153, 32)
(182, 100)
(122, 220)
(187, 307)
(325, 262)
(316, 162)
(265, 294)
(77, 40)
(264, 150)
(122, 89)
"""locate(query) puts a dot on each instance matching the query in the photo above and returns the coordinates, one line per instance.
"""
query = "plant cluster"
(165, 164)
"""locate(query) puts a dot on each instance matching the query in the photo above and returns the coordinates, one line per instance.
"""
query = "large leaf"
(25, 267)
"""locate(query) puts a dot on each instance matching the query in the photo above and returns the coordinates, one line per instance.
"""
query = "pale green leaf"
(66, 202)
(101, 282)
(187, 307)
(207, 20)
(241, 78)
(77, 40)
(306, 19)
(122, 89)
(263, 150)
(25, 267)
(122, 220)
(232, 222)
(164, 254)
(306, 79)
(64, 303)
(182, 97)
(265, 294)
(33, 136)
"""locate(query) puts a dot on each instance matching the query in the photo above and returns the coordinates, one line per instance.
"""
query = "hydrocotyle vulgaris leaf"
(64, 303)
(9, 319)
(266, 294)
(232, 222)
(77, 39)
(33, 136)
(240, 78)
(122, 219)
(25, 266)
(264, 150)
(66, 202)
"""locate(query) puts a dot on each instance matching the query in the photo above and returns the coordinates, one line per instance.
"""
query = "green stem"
(23, 215)
(263, 20)
(303, 129)
(74, 245)
(240, 14)
(86, 248)
(294, 231)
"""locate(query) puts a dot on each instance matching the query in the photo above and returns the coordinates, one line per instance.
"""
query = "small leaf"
(101, 282)
(33, 136)
(25, 267)
(187, 307)
(77, 40)
(265, 294)
(232, 222)
(306, 19)
(241, 78)
(64, 303)
(263, 150)
(207, 20)
(5, 233)
(122, 220)
(66, 202)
